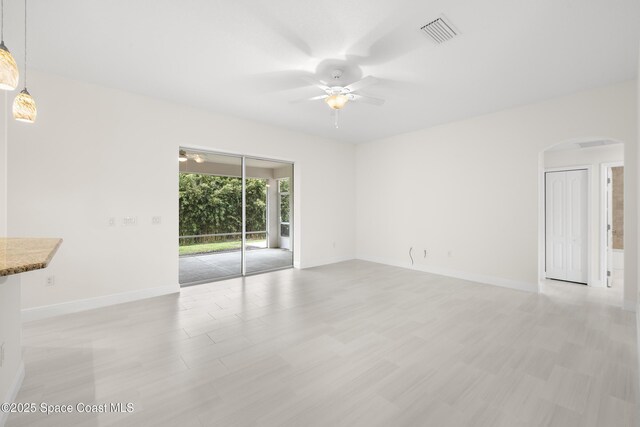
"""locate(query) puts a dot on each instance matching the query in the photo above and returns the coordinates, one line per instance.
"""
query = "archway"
(591, 156)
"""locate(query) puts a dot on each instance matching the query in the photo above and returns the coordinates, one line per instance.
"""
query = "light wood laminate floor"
(349, 344)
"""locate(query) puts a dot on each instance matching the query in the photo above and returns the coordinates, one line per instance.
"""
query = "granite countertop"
(18, 255)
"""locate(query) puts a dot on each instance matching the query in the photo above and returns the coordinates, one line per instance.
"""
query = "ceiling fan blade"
(367, 81)
(318, 84)
(367, 99)
(273, 81)
(315, 98)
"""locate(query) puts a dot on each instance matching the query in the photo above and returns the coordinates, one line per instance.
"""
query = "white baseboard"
(472, 277)
(324, 261)
(597, 283)
(37, 313)
(541, 286)
(638, 338)
(13, 392)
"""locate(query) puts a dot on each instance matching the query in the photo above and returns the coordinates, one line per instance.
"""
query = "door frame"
(604, 207)
(279, 202)
(589, 169)
(293, 224)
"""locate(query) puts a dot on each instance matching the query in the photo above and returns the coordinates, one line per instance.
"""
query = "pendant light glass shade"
(8, 69)
(24, 107)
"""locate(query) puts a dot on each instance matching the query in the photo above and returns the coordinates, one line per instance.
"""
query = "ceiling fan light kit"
(337, 101)
(337, 96)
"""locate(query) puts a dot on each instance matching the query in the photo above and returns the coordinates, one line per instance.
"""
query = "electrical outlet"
(156, 220)
(1, 354)
(129, 220)
(50, 281)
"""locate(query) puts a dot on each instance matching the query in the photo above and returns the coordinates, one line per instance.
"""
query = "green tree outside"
(213, 205)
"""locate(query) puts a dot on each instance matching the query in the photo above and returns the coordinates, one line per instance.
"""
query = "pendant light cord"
(2, 21)
(25, 44)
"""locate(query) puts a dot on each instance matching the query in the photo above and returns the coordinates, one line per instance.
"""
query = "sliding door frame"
(243, 245)
(292, 222)
(243, 158)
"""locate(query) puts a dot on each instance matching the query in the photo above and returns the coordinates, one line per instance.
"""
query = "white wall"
(96, 153)
(4, 119)
(637, 260)
(593, 157)
(468, 189)
(471, 188)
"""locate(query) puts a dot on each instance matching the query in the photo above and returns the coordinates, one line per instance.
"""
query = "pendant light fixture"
(8, 68)
(24, 106)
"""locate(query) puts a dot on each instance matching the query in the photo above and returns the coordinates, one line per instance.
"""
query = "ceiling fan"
(337, 96)
(184, 156)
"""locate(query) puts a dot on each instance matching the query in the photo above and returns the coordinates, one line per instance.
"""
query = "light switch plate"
(129, 220)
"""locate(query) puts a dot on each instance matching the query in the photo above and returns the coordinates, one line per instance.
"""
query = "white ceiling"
(247, 57)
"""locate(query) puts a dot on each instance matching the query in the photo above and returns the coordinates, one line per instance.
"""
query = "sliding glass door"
(210, 200)
(235, 216)
(266, 248)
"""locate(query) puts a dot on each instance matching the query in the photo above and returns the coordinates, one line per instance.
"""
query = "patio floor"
(199, 268)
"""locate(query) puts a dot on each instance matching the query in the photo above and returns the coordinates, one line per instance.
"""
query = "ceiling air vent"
(440, 30)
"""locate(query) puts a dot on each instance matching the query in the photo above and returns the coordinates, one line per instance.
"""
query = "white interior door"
(555, 224)
(566, 225)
